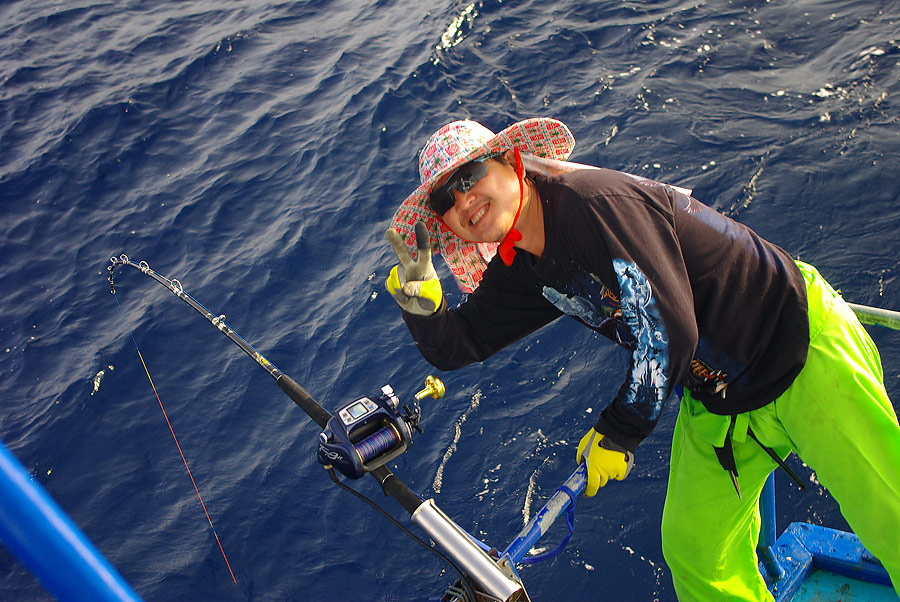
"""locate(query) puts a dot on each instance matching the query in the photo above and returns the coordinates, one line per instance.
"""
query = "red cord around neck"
(507, 250)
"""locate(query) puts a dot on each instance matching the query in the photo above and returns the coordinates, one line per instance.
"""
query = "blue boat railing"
(49, 544)
(768, 532)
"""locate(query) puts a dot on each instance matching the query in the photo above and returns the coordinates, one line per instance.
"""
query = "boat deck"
(818, 564)
(825, 586)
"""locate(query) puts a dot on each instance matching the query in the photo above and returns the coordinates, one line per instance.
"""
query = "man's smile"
(478, 215)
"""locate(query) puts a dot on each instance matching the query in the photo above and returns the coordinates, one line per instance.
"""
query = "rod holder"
(474, 561)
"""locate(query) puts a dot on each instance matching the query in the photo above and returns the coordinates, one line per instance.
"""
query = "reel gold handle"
(433, 387)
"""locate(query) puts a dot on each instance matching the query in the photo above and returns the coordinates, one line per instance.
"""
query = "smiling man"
(767, 358)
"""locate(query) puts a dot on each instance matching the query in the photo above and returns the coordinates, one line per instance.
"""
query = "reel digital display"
(357, 410)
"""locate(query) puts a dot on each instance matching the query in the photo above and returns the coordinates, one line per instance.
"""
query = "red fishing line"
(178, 445)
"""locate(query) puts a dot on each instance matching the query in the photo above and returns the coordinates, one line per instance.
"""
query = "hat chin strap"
(507, 250)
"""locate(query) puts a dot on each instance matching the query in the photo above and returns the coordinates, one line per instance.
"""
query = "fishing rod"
(359, 438)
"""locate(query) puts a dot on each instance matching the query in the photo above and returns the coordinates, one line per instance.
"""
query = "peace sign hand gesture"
(413, 282)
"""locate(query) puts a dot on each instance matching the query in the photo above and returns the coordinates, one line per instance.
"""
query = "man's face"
(487, 212)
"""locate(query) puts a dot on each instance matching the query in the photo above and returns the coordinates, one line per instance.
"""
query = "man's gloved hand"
(413, 283)
(605, 460)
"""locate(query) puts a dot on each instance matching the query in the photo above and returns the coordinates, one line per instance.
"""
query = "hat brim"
(540, 136)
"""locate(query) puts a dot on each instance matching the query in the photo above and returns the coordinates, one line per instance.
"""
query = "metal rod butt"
(480, 567)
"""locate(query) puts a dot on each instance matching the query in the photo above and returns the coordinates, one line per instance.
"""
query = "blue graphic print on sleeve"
(583, 296)
(576, 306)
(632, 321)
(647, 386)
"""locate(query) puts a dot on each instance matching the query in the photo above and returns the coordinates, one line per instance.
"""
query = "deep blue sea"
(256, 152)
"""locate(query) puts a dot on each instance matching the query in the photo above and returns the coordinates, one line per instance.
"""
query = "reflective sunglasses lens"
(463, 179)
(467, 176)
(441, 200)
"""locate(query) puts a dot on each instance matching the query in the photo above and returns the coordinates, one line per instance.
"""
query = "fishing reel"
(369, 432)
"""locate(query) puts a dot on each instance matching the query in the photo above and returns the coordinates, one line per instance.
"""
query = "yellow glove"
(605, 460)
(413, 283)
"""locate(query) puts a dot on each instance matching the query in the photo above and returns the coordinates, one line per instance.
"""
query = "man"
(768, 356)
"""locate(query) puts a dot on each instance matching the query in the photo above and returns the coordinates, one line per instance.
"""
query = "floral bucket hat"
(454, 145)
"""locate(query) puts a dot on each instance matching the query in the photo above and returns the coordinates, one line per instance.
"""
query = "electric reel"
(369, 432)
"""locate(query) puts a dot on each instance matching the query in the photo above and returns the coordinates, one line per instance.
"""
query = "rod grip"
(397, 489)
(306, 403)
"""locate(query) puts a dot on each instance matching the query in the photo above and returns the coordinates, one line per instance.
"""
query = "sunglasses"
(462, 179)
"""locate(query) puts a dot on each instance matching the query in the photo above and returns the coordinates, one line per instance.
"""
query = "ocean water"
(256, 151)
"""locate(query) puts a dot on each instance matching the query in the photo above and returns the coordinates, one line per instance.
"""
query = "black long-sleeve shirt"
(699, 299)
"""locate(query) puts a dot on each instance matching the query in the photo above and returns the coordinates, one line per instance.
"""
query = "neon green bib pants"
(836, 416)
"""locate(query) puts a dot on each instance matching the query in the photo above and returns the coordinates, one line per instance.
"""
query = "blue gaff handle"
(561, 501)
(48, 543)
